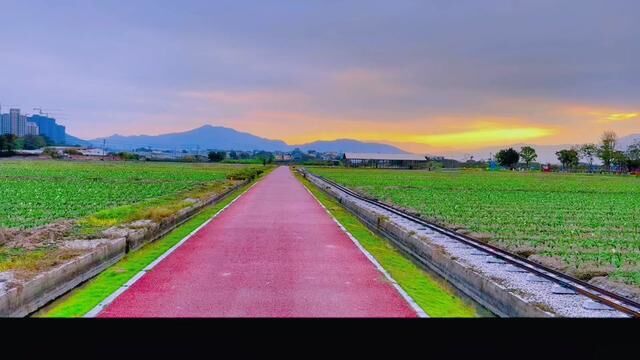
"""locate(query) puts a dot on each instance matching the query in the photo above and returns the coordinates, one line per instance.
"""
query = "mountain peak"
(213, 137)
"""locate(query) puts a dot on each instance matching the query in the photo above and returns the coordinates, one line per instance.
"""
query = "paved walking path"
(275, 252)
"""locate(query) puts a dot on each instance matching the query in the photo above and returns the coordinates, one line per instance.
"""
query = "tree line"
(9, 143)
(263, 157)
(606, 151)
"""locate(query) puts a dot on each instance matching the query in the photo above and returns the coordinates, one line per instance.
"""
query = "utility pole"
(104, 146)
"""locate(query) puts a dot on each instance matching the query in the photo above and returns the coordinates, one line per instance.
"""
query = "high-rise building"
(32, 129)
(14, 118)
(5, 124)
(61, 135)
(47, 126)
(21, 129)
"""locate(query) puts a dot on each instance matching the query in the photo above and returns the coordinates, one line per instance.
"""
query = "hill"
(222, 138)
(205, 137)
(348, 145)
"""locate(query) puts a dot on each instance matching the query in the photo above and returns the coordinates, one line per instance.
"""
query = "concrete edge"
(487, 292)
(31, 295)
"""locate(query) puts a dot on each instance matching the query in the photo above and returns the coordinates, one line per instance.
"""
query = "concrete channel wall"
(27, 297)
(486, 291)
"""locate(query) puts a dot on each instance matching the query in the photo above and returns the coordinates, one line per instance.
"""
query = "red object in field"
(273, 253)
(546, 168)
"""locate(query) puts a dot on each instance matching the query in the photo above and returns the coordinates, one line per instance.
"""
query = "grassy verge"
(34, 261)
(92, 293)
(434, 297)
(153, 209)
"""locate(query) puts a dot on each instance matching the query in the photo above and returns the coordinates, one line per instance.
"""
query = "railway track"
(597, 294)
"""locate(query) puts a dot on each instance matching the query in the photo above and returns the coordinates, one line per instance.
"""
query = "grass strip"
(434, 297)
(94, 291)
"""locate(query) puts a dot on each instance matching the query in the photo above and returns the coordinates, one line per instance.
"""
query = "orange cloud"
(618, 117)
(441, 133)
(600, 114)
(489, 136)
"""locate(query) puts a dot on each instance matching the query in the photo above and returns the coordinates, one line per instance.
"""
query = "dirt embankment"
(42, 237)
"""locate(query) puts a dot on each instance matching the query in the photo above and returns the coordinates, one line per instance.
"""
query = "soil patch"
(628, 291)
(42, 237)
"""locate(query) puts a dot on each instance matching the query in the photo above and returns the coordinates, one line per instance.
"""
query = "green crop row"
(35, 193)
(582, 220)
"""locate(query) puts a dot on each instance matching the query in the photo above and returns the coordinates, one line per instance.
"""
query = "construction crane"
(40, 112)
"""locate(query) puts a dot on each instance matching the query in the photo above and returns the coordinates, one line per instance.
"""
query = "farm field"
(35, 193)
(45, 203)
(586, 225)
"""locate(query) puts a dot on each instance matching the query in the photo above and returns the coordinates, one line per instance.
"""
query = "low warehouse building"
(389, 161)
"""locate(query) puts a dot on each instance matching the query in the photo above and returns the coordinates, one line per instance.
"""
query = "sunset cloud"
(423, 75)
(482, 137)
(619, 117)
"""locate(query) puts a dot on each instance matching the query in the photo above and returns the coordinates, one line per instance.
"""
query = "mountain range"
(223, 138)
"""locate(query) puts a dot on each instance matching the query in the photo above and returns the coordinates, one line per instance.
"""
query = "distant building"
(93, 152)
(5, 124)
(47, 126)
(32, 129)
(399, 161)
(21, 129)
(282, 157)
(13, 123)
(14, 118)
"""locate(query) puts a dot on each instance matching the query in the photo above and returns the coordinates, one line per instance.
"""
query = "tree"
(126, 156)
(233, 155)
(508, 158)
(72, 151)
(52, 152)
(528, 154)
(619, 159)
(8, 143)
(607, 149)
(633, 156)
(633, 151)
(588, 152)
(33, 142)
(568, 158)
(265, 157)
(217, 156)
(47, 140)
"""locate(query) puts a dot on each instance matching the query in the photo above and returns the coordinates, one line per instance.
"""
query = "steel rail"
(593, 292)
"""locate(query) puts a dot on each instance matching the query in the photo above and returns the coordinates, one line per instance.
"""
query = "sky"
(424, 75)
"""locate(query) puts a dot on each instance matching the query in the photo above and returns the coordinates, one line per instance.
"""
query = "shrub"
(52, 152)
(128, 156)
(72, 152)
(245, 174)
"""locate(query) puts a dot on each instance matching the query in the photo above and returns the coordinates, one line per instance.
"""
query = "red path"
(274, 253)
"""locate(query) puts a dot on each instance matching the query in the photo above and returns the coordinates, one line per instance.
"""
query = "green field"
(35, 193)
(588, 225)
(96, 195)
